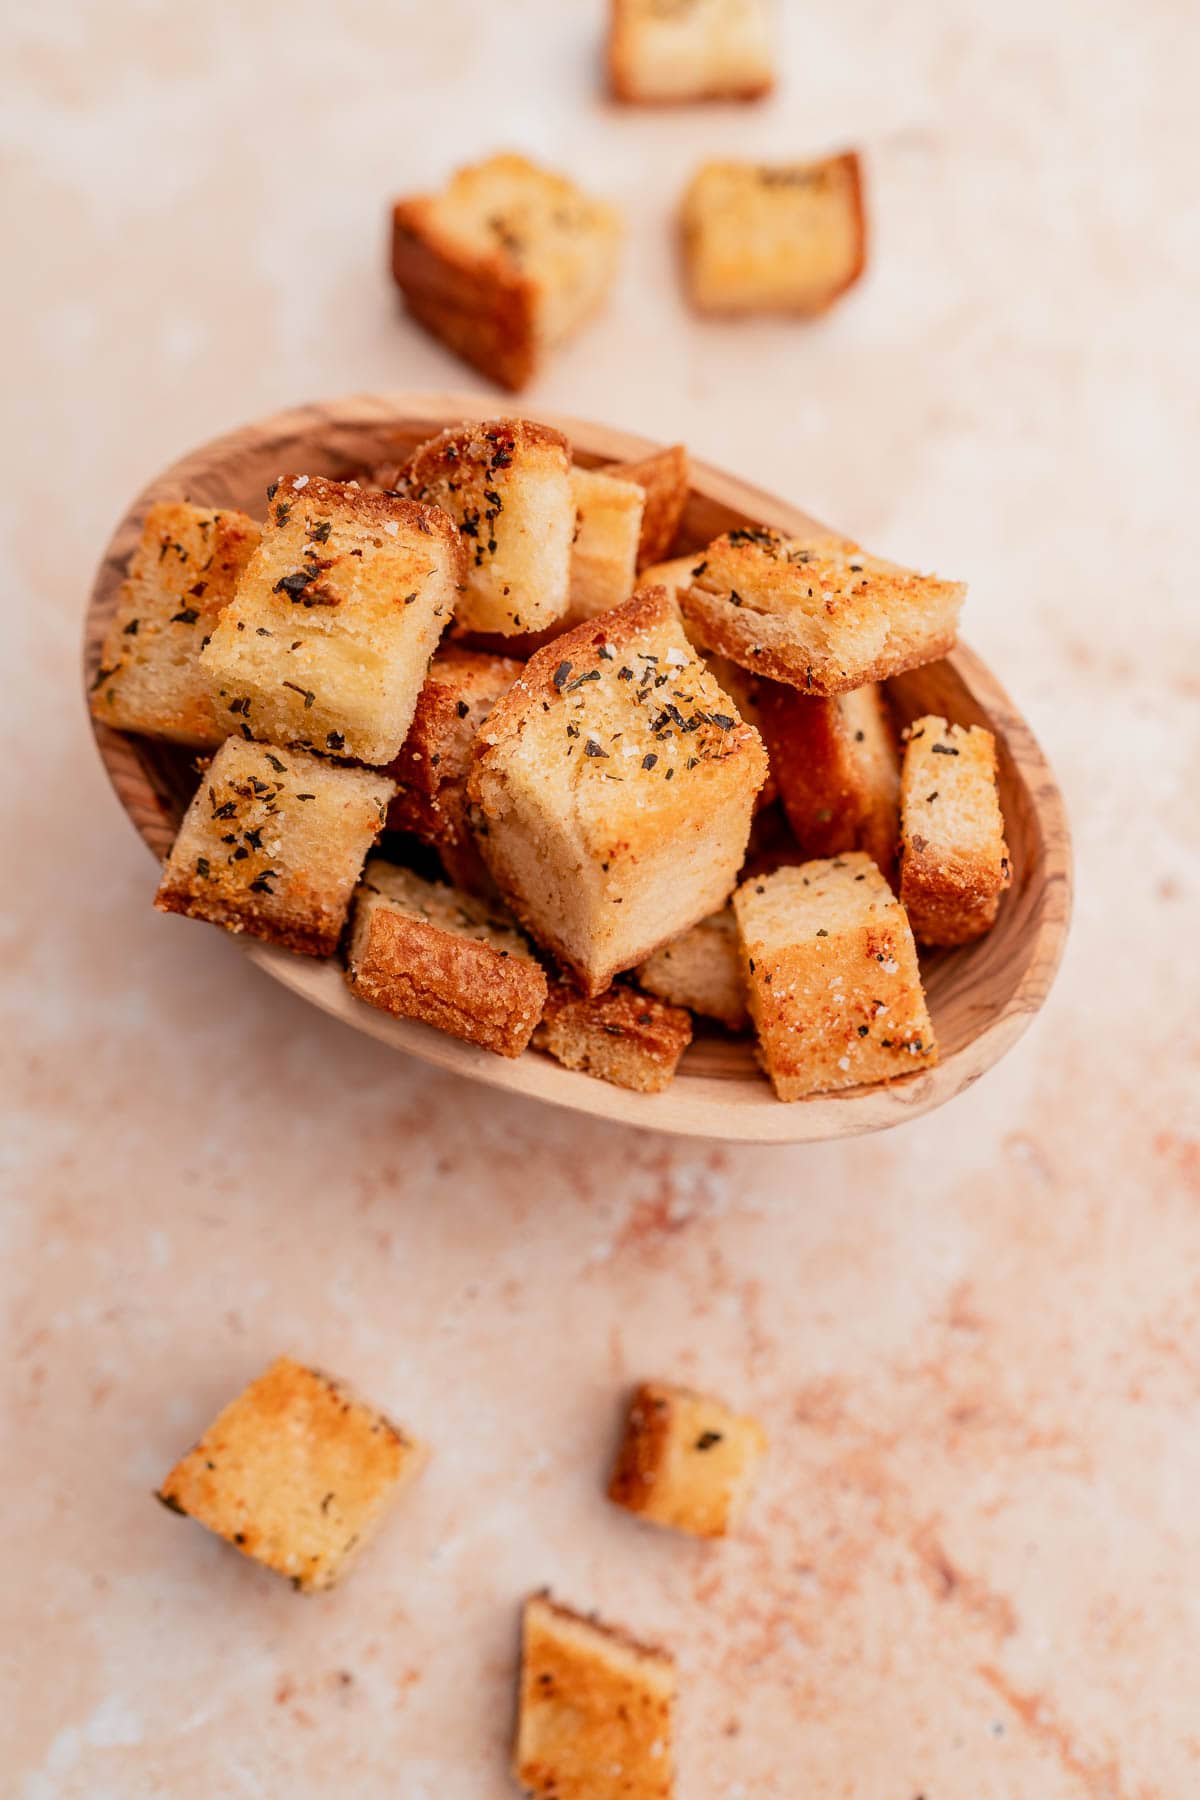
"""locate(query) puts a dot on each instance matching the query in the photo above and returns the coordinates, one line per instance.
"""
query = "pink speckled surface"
(972, 1569)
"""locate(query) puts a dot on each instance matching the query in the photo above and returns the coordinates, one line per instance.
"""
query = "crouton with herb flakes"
(954, 860)
(685, 1461)
(668, 51)
(622, 1036)
(774, 238)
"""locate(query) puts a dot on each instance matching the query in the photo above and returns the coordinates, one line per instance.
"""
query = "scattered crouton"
(622, 1036)
(666, 477)
(295, 1473)
(667, 51)
(838, 768)
(505, 263)
(685, 1460)
(608, 523)
(954, 860)
(702, 971)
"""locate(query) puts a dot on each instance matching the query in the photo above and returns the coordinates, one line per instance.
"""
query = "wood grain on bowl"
(981, 996)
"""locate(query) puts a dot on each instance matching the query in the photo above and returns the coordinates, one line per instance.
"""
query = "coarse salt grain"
(391, 527)
(301, 481)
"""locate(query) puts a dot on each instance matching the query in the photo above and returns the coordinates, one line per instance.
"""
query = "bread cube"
(608, 525)
(184, 570)
(295, 1473)
(506, 483)
(691, 50)
(701, 970)
(685, 1460)
(666, 477)
(746, 691)
(621, 1036)
(326, 643)
(838, 768)
(422, 951)
(505, 263)
(273, 843)
(818, 614)
(596, 1711)
(761, 238)
(832, 978)
(612, 790)
(954, 862)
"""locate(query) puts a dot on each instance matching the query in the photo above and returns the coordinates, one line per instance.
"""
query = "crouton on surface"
(832, 978)
(837, 765)
(666, 477)
(506, 483)
(816, 613)
(701, 970)
(608, 524)
(772, 238)
(295, 1474)
(612, 790)
(431, 770)
(691, 50)
(505, 263)
(327, 641)
(621, 1036)
(184, 570)
(685, 1460)
(273, 843)
(596, 1710)
(422, 951)
(954, 862)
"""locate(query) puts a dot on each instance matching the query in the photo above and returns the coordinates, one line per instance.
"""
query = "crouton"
(620, 1036)
(838, 768)
(608, 524)
(666, 477)
(701, 970)
(295, 1473)
(596, 1710)
(422, 951)
(273, 843)
(506, 483)
(612, 790)
(745, 690)
(818, 614)
(774, 238)
(691, 50)
(954, 861)
(326, 643)
(505, 263)
(184, 570)
(673, 575)
(832, 979)
(685, 1460)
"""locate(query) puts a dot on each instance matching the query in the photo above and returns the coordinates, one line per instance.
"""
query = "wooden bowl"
(981, 996)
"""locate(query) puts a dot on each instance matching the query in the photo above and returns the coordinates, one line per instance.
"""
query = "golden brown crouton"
(184, 570)
(608, 523)
(506, 483)
(817, 613)
(666, 51)
(612, 790)
(505, 263)
(422, 951)
(954, 860)
(326, 643)
(674, 575)
(832, 977)
(701, 970)
(666, 477)
(685, 1460)
(295, 1473)
(621, 1036)
(272, 844)
(838, 768)
(596, 1710)
(771, 238)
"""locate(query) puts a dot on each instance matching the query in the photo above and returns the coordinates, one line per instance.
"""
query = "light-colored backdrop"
(973, 1568)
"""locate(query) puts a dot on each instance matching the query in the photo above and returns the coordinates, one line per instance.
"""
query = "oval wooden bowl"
(981, 997)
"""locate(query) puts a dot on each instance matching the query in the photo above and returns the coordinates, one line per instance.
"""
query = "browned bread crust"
(622, 1036)
(667, 478)
(685, 1460)
(481, 307)
(693, 50)
(954, 863)
(837, 766)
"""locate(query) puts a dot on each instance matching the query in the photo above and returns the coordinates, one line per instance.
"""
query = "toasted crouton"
(685, 1460)
(184, 570)
(272, 844)
(838, 768)
(745, 690)
(608, 523)
(701, 970)
(818, 614)
(507, 484)
(423, 951)
(295, 1473)
(327, 640)
(691, 50)
(621, 1036)
(954, 861)
(505, 263)
(832, 978)
(612, 790)
(771, 238)
(596, 1710)
(666, 477)
(673, 575)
